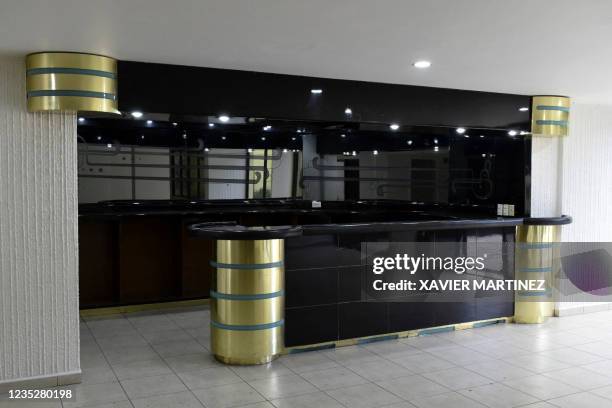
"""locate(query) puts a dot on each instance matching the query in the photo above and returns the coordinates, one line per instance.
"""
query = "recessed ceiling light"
(523, 109)
(394, 126)
(348, 111)
(523, 133)
(142, 136)
(460, 130)
(263, 138)
(149, 122)
(409, 142)
(211, 125)
(316, 91)
(110, 146)
(224, 118)
(436, 149)
(99, 138)
(482, 136)
(435, 141)
(284, 150)
(223, 138)
(467, 136)
(174, 123)
(250, 150)
(512, 132)
(206, 149)
(267, 128)
(354, 153)
(422, 64)
(293, 138)
(137, 114)
(375, 152)
(343, 135)
(81, 120)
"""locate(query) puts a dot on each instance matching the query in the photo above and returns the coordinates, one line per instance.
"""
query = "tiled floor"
(162, 360)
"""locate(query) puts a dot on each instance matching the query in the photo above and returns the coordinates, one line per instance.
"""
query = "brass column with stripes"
(70, 81)
(536, 258)
(247, 301)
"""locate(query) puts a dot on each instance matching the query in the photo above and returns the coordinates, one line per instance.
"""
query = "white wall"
(587, 174)
(39, 316)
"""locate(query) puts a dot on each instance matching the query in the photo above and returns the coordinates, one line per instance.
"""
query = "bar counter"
(143, 252)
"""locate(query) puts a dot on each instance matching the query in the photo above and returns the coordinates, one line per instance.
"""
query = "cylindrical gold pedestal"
(536, 259)
(247, 301)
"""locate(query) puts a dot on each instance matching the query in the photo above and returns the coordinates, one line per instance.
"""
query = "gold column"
(70, 81)
(247, 301)
(550, 115)
(536, 257)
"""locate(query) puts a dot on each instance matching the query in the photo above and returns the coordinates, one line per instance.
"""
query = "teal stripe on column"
(246, 266)
(247, 327)
(562, 123)
(552, 108)
(66, 92)
(76, 71)
(259, 296)
(534, 270)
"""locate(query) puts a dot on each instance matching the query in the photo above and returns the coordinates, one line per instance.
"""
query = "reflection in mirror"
(203, 158)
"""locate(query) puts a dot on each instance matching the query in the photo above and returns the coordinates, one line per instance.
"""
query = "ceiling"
(515, 46)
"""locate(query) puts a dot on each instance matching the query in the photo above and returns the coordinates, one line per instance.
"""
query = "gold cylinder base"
(247, 301)
(536, 259)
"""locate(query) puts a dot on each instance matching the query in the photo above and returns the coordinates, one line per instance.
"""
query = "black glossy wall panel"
(311, 325)
(185, 90)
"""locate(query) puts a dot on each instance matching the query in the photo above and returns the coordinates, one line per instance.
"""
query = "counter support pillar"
(247, 301)
(537, 258)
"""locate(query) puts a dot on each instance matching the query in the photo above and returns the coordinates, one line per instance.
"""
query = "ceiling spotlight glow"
(348, 111)
(482, 136)
(422, 64)
(224, 118)
(467, 136)
(284, 150)
(174, 123)
(316, 91)
(293, 138)
(523, 109)
(142, 136)
(343, 135)
(435, 141)
(250, 150)
(211, 125)
(267, 128)
(149, 122)
(375, 152)
(409, 142)
(137, 114)
(206, 149)
(436, 149)
(263, 138)
(512, 132)
(354, 153)
(460, 130)
(110, 146)
(99, 138)
(394, 126)
(81, 120)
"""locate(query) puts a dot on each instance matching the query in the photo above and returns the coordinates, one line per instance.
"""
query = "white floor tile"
(226, 396)
(332, 378)
(413, 387)
(307, 361)
(178, 348)
(283, 386)
(209, 377)
(449, 400)
(95, 394)
(363, 396)
(580, 378)
(179, 400)
(582, 400)
(139, 369)
(379, 370)
(457, 378)
(498, 396)
(423, 363)
(152, 386)
(316, 399)
(541, 387)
